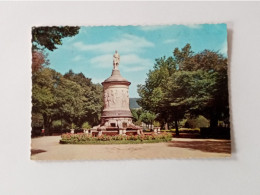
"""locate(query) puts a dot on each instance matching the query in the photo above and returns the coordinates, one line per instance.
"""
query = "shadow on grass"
(218, 146)
(37, 151)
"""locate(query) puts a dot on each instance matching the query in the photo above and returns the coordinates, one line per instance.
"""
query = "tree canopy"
(66, 97)
(71, 98)
(50, 36)
(47, 38)
(187, 82)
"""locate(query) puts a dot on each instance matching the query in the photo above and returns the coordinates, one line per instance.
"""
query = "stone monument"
(116, 115)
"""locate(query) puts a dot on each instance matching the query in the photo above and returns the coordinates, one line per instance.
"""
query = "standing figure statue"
(116, 60)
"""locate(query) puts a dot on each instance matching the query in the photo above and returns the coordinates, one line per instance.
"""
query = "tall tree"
(70, 100)
(186, 83)
(215, 64)
(43, 95)
(93, 94)
(153, 92)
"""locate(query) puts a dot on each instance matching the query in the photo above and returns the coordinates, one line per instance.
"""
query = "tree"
(93, 94)
(181, 57)
(136, 113)
(43, 98)
(213, 64)
(50, 36)
(147, 118)
(186, 83)
(39, 60)
(70, 100)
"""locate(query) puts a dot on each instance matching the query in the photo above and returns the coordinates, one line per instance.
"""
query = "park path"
(48, 148)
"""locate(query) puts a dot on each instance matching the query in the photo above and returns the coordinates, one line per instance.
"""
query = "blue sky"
(91, 51)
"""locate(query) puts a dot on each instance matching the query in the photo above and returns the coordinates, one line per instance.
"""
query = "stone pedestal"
(116, 115)
(116, 111)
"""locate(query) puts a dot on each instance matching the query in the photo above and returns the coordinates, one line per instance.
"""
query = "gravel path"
(48, 148)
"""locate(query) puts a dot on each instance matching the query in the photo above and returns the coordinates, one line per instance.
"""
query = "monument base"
(121, 126)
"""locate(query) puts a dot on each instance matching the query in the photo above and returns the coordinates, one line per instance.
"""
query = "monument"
(116, 116)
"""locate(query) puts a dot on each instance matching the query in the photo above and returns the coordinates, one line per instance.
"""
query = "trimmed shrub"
(82, 138)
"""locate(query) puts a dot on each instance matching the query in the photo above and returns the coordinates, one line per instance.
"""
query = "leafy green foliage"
(37, 120)
(156, 124)
(50, 36)
(147, 117)
(196, 122)
(92, 101)
(136, 113)
(140, 115)
(186, 83)
(86, 125)
(65, 98)
(117, 139)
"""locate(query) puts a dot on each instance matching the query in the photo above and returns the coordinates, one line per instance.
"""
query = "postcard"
(130, 92)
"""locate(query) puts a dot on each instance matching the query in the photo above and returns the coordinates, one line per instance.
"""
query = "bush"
(198, 122)
(156, 124)
(86, 125)
(73, 126)
(83, 138)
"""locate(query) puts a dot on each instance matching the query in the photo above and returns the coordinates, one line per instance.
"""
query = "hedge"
(82, 138)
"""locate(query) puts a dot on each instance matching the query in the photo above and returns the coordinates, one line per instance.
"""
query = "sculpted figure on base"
(116, 60)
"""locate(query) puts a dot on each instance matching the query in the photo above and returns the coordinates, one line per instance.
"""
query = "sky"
(91, 50)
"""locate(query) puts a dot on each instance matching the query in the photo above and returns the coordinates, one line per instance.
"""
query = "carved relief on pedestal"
(109, 100)
(106, 100)
(125, 99)
(116, 98)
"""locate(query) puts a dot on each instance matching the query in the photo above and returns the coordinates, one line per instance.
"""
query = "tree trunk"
(61, 125)
(176, 127)
(46, 124)
(166, 126)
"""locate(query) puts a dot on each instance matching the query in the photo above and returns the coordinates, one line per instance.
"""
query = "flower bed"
(82, 138)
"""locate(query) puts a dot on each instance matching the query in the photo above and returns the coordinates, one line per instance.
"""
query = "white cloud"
(195, 26)
(103, 61)
(133, 69)
(77, 58)
(128, 63)
(133, 63)
(125, 44)
(170, 41)
(135, 59)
